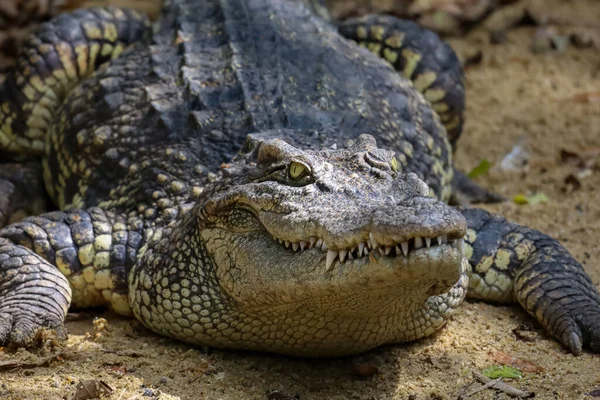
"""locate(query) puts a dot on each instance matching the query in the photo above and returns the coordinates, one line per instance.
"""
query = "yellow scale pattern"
(491, 279)
(389, 45)
(44, 94)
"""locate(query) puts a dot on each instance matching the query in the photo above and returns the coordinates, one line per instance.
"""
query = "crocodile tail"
(57, 57)
(419, 55)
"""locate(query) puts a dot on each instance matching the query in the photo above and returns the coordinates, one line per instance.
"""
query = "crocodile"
(250, 174)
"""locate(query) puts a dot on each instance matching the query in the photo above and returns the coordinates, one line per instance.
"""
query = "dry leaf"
(587, 97)
(515, 362)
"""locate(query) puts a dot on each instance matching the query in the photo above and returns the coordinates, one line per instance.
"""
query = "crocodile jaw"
(356, 305)
(361, 249)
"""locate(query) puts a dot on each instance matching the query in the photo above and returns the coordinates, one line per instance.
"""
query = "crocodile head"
(337, 236)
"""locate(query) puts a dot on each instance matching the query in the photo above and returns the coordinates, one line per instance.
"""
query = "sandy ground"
(514, 97)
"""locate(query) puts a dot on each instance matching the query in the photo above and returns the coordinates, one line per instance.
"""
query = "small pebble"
(163, 380)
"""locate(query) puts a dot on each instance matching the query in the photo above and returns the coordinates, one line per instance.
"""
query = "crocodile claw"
(22, 330)
(33, 295)
(580, 331)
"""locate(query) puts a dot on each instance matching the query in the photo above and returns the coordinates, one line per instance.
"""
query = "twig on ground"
(504, 387)
(479, 389)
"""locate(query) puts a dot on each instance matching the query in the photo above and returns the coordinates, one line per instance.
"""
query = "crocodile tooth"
(440, 239)
(319, 242)
(366, 252)
(388, 249)
(398, 251)
(288, 244)
(343, 254)
(324, 246)
(374, 242)
(350, 256)
(460, 245)
(404, 246)
(418, 242)
(295, 246)
(381, 250)
(302, 245)
(428, 242)
(376, 255)
(352, 250)
(331, 256)
(312, 241)
(361, 247)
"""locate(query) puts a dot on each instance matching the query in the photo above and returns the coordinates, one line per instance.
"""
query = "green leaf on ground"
(534, 199)
(481, 169)
(502, 371)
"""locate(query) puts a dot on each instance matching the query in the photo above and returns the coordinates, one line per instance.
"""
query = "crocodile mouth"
(372, 246)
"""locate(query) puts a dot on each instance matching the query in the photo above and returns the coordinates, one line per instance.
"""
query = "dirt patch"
(540, 101)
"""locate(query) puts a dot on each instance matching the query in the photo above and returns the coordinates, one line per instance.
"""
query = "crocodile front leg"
(50, 261)
(33, 295)
(513, 262)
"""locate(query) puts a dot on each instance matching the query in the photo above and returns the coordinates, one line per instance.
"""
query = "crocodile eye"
(297, 169)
